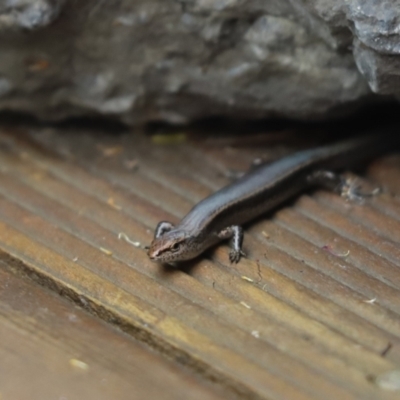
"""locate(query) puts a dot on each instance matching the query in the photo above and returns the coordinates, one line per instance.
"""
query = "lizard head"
(170, 247)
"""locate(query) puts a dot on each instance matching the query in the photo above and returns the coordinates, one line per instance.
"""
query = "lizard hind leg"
(352, 190)
(348, 188)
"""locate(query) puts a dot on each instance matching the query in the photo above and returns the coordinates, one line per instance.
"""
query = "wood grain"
(307, 315)
(50, 349)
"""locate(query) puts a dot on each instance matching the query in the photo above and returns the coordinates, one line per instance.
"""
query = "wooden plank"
(50, 349)
(294, 320)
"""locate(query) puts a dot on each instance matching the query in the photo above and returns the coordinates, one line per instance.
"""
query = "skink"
(221, 215)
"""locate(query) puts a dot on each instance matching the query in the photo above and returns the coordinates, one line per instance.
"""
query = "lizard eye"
(175, 247)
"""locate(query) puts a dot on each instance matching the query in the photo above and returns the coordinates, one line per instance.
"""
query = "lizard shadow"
(169, 270)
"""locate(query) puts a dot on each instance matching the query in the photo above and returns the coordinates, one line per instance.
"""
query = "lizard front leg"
(235, 234)
(162, 228)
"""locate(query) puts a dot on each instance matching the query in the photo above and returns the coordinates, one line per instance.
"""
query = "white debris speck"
(389, 380)
(124, 236)
(245, 305)
(78, 364)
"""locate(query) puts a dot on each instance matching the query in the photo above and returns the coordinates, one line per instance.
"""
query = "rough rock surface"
(179, 60)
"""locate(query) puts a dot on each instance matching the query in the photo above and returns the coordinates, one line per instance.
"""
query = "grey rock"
(181, 60)
(370, 28)
(28, 14)
(5, 86)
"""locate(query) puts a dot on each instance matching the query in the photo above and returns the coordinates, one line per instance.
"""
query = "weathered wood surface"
(312, 313)
(51, 349)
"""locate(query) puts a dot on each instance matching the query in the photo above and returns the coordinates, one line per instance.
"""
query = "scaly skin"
(220, 215)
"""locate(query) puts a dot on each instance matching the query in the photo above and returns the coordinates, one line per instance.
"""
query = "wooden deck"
(51, 349)
(312, 313)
